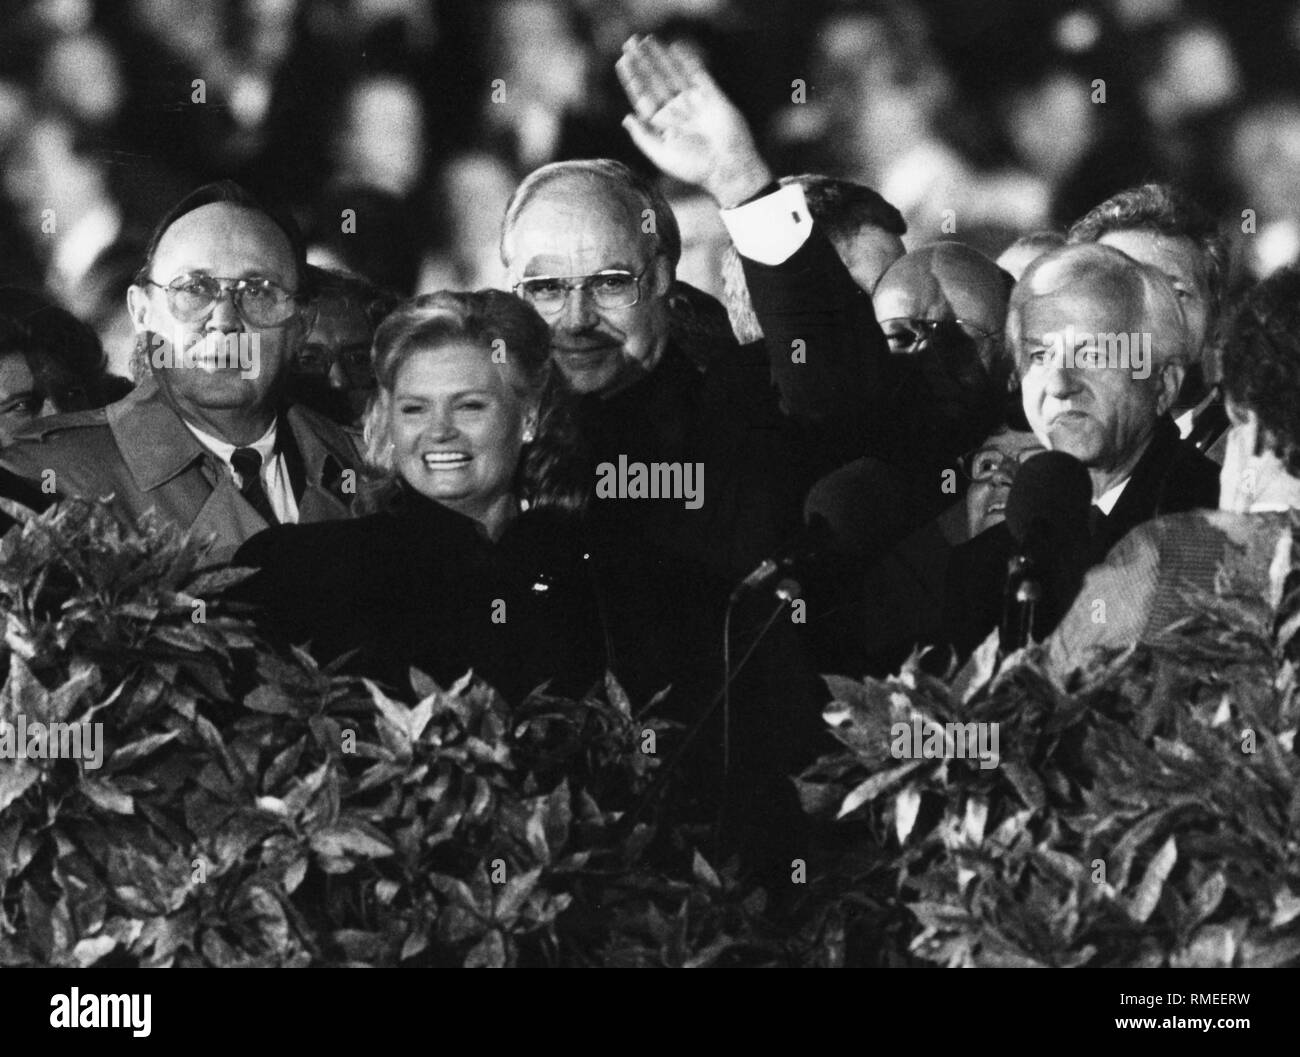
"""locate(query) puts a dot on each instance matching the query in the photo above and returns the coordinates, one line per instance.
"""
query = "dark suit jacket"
(826, 352)
(1172, 476)
(758, 458)
(140, 452)
(417, 584)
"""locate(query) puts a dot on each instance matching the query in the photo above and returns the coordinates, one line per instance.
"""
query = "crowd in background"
(980, 121)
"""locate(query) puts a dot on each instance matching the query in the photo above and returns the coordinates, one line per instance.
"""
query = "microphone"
(1047, 516)
(806, 548)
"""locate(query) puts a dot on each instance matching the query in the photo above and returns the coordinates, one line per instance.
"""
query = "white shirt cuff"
(770, 229)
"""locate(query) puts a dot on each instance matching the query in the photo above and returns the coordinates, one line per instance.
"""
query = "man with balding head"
(1101, 347)
(593, 247)
(207, 442)
(942, 309)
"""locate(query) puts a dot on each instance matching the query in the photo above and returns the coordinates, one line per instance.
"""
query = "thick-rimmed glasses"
(985, 464)
(906, 335)
(610, 289)
(259, 302)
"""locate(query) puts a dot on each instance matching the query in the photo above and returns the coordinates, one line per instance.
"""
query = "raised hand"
(686, 125)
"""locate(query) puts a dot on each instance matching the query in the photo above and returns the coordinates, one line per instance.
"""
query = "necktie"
(1097, 519)
(248, 464)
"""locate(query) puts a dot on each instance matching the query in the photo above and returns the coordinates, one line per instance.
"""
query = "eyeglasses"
(986, 463)
(317, 358)
(907, 335)
(259, 302)
(610, 289)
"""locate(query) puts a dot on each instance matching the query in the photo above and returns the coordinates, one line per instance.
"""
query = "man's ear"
(663, 276)
(137, 305)
(1171, 380)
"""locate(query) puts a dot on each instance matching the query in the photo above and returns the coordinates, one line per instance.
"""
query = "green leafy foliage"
(255, 809)
(1148, 817)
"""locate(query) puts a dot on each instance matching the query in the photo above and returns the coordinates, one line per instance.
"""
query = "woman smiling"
(471, 556)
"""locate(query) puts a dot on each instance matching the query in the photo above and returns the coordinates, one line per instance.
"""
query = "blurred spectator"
(1264, 160)
(540, 68)
(63, 202)
(881, 113)
(50, 362)
(1026, 249)
(704, 239)
(473, 191)
(1162, 226)
(369, 232)
(81, 76)
(380, 143)
(332, 372)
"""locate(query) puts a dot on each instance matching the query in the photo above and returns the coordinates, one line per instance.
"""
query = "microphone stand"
(787, 590)
(1020, 601)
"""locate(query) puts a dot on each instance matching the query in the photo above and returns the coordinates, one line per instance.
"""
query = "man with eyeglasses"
(332, 373)
(207, 440)
(593, 247)
(941, 309)
(991, 470)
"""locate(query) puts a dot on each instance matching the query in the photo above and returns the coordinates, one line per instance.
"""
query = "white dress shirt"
(1107, 500)
(275, 473)
(770, 229)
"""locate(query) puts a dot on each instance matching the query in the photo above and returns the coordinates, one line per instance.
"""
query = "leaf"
(294, 874)
(1286, 907)
(106, 796)
(1143, 903)
(978, 670)
(1028, 786)
(906, 807)
(414, 944)
(16, 777)
(617, 696)
(1214, 946)
(137, 750)
(875, 785)
(1208, 897)
(704, 873)
(517, 890)
(706, 957)
(89, 951)
(396, 714)
(1271, 954)
(351, 837)
(269, 699)
(488, 953)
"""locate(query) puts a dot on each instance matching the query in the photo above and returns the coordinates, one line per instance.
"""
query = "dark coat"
(418, 584)
(764, 420)
(1171, 477)
(140, 452)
